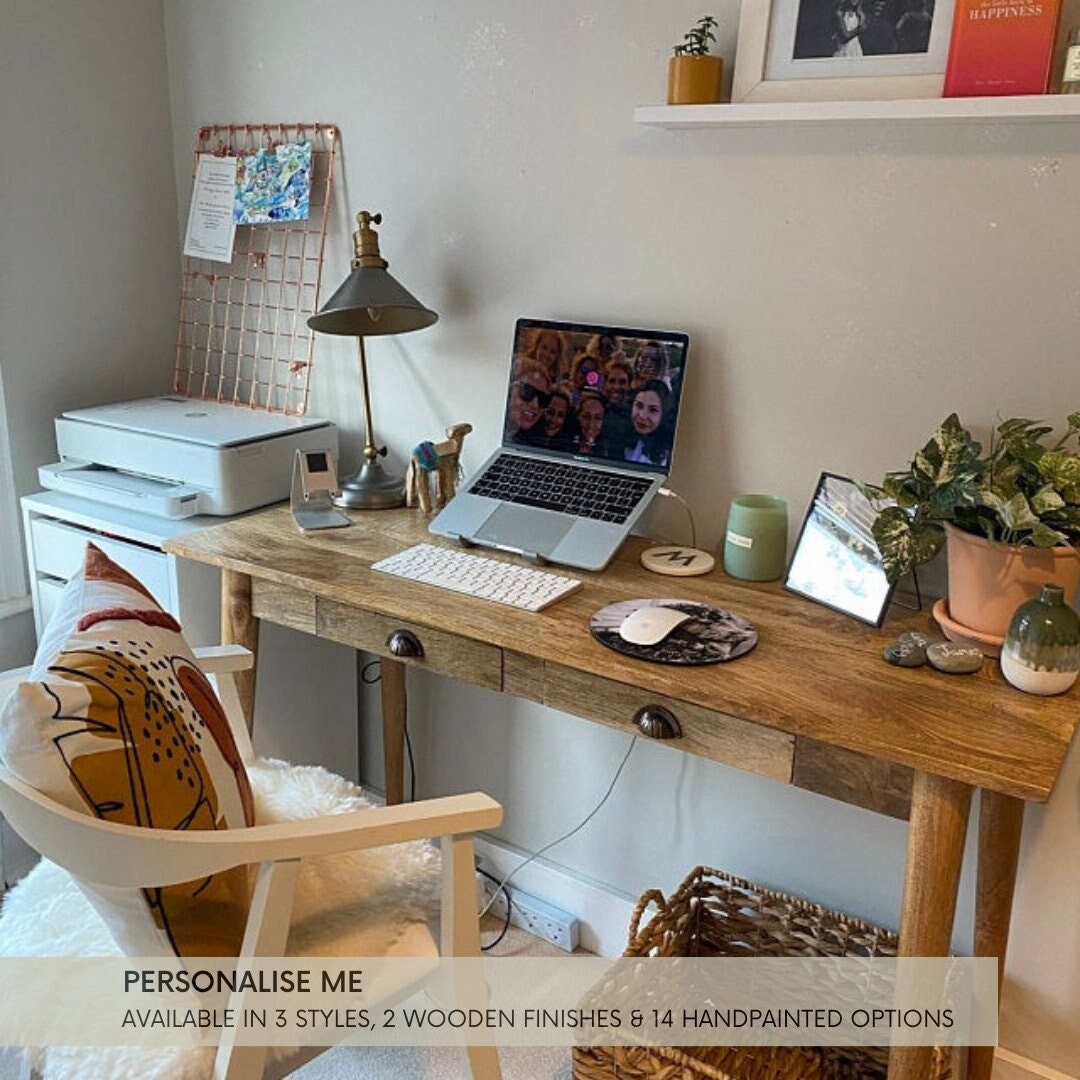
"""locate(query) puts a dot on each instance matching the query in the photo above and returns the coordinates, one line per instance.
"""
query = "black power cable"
(509, 908)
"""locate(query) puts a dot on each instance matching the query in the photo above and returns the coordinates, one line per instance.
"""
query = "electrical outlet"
(534, 916)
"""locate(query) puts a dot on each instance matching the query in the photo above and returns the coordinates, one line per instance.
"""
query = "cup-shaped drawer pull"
(404, 643)
(657, 722)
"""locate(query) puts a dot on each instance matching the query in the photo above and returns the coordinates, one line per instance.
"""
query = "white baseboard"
(1010, 1066)
(603, 916)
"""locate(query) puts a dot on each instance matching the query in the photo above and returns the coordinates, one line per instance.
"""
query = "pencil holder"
(755, 539)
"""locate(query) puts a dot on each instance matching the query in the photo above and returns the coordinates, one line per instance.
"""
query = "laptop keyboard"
(569, 489)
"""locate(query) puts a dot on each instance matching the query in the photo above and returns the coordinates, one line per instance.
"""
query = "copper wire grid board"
(243, 336)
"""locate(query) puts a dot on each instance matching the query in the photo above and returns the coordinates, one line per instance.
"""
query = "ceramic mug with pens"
(755, 538)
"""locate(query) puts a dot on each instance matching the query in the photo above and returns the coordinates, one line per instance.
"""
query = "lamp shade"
(371, 301)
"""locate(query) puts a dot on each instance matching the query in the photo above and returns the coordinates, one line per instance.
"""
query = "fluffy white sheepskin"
(357, 904)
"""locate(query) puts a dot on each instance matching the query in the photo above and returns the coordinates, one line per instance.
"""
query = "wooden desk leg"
(1001, 818)
(939, 814)
(394, 704)
(240, 627)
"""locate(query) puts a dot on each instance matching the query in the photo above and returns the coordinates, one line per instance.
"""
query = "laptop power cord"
(670, 493)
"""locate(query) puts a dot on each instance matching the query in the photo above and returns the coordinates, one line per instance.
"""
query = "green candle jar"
(1041, 653)
(755, 539)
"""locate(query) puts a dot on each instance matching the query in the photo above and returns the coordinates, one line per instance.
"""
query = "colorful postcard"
(273, 184)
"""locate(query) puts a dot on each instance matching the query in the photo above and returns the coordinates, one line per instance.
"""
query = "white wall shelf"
(1047, 107)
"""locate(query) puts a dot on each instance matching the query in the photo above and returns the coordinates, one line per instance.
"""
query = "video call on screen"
(591, 391)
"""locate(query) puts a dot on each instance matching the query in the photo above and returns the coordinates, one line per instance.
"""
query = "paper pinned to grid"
(243, 336)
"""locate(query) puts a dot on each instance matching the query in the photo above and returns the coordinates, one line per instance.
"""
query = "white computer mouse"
(650, 625)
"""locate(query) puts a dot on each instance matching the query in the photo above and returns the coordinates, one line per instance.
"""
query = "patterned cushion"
(116, 720)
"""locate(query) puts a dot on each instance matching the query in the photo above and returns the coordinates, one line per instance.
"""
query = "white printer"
(176, 456)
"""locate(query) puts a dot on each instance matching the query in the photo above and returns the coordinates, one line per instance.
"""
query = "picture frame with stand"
(836, 560)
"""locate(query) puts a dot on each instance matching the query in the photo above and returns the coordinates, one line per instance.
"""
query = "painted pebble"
(905, 652)
(954, 659)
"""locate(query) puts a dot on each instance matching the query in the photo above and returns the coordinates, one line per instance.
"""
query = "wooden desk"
(814, 705)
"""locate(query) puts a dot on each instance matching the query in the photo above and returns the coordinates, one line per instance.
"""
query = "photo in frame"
(836, 560)
(841, 50)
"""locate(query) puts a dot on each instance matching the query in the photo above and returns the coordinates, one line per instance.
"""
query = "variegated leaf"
(1045, 499)
(1043, 536)
(1016, 514)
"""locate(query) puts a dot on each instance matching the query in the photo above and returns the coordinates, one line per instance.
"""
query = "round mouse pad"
(711, 636)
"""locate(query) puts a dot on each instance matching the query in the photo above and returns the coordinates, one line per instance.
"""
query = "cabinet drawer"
(59, 550)
(448, 654)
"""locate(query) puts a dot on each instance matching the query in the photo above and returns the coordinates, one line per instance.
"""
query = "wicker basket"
(714, 914)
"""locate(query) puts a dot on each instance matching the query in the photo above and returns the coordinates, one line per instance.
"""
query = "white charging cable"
(669, 493)
(566, 836)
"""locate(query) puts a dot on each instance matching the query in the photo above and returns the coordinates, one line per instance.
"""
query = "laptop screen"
(602, 393)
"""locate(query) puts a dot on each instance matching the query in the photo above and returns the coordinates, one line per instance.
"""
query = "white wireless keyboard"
(490, 579)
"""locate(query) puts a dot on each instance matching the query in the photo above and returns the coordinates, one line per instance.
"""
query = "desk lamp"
(370, 302)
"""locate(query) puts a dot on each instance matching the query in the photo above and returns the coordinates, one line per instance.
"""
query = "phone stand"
(314, 483)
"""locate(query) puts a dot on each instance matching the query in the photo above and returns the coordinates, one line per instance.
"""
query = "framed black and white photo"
(836, 50)
(836, 560)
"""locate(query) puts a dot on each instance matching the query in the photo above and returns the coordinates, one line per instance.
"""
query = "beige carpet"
(439, 1063)
(422, 1063)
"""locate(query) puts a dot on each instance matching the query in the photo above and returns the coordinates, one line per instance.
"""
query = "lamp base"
(372, 488)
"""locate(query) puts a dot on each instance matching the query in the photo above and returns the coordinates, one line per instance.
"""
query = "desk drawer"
(705, 733)
(280, 604)
(448, 654)
(59, 550)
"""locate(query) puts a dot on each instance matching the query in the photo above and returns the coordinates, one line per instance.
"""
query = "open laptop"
(588, 436)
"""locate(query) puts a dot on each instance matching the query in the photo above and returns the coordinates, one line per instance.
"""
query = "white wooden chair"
(129, 857)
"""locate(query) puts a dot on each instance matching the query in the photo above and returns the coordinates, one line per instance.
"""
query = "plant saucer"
(989, 644)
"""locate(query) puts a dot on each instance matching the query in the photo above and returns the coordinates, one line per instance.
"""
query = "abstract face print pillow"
(116, 720)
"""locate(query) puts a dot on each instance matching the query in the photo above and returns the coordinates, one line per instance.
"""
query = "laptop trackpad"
(523, 529)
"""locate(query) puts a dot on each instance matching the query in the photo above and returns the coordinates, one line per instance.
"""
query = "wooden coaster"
(677, 561)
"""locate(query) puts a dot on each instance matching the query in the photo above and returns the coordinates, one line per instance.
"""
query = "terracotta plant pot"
(694, 80)
(988, 582)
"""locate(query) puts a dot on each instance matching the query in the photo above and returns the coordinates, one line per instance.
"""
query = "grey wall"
(844, 289)
(89, 255)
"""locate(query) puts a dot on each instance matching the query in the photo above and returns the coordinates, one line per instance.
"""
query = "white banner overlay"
(500, 1001)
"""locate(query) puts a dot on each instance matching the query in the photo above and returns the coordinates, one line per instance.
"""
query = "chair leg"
(460, 936)
(484, 1062)
(459, 928)
(266, 934)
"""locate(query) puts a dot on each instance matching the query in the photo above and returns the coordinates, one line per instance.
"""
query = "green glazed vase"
(1041, 654)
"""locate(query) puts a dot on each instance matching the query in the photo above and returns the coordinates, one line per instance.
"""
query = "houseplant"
(1014, 509)
(693, 74)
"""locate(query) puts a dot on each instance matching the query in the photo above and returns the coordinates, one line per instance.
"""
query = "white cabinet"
(306, 695)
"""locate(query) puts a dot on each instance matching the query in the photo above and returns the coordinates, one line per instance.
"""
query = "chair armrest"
(221, 663)
(132, 857)
(219, 659)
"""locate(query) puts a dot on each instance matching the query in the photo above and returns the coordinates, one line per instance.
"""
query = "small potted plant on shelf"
(1011, 519)
(693, 74)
